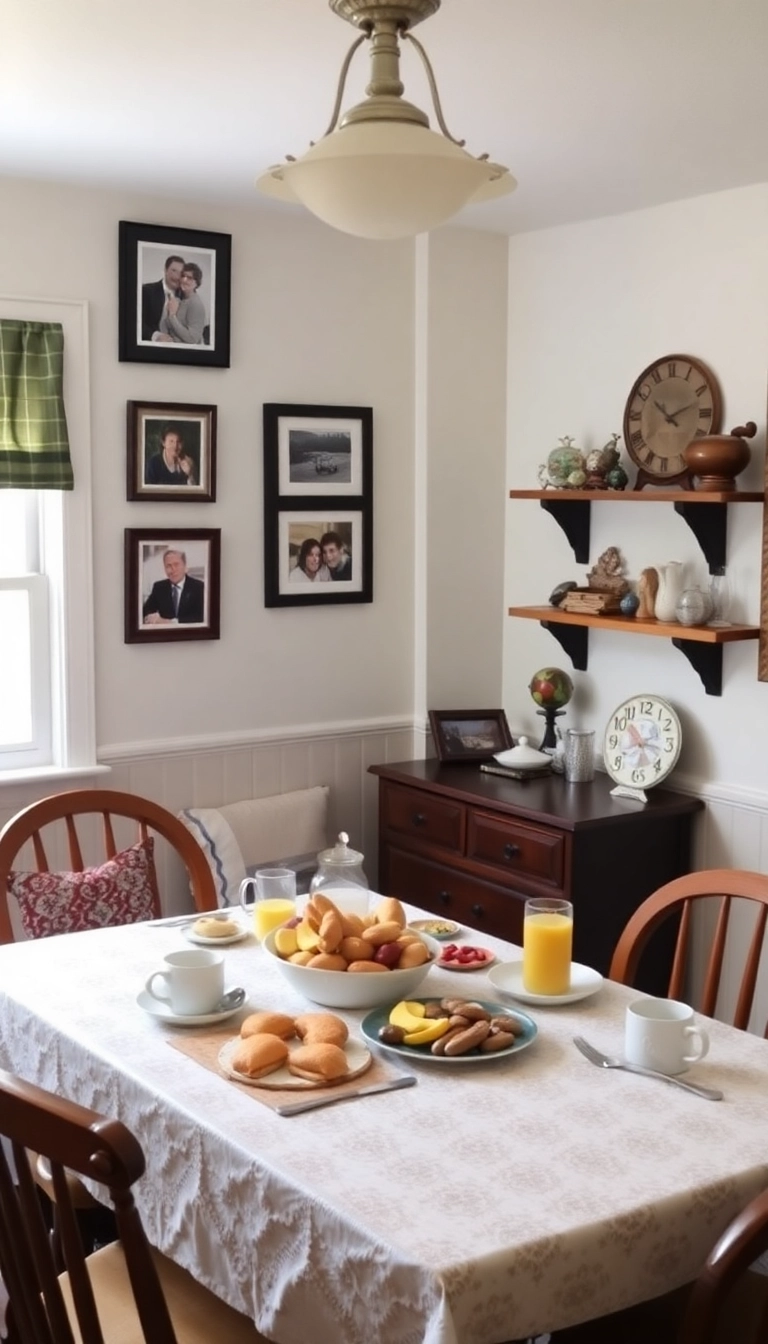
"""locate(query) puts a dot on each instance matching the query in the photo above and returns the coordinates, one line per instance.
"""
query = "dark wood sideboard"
(473, 847)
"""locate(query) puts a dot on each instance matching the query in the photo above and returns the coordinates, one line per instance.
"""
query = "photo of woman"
(309, 567)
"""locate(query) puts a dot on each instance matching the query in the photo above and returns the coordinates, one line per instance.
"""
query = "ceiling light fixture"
(379, 171)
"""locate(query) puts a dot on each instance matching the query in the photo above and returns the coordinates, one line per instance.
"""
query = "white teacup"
(660, 1034)
(193, 981)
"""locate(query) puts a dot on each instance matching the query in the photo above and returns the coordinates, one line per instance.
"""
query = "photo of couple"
(173, 309)
(174, 295)
(326, 559)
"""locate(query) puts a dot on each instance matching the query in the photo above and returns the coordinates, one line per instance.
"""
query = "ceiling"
(596, 106)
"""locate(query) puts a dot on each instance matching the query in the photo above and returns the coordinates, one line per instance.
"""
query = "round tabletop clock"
(642, 745)
(674, 401)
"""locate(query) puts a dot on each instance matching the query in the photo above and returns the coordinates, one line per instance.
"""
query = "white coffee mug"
(660, 1035)
(193, 981)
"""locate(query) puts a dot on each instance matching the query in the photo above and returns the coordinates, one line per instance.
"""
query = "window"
(47, 712)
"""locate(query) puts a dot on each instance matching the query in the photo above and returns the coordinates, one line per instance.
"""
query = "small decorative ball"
(576, 479)
(551, 687)
(595, 460)
(617, 478)
(564, 460)
(559, 592)
(694, 607)
(629, 604)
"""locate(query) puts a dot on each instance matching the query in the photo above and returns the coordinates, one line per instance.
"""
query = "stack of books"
(592, 601)
(512, 772)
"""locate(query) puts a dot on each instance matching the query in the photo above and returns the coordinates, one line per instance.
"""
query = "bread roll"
(327, 961)
(273, 1024)
(210, 927)
(390, 911)
(259, 1055)
(319, 1063)
(321, 1028)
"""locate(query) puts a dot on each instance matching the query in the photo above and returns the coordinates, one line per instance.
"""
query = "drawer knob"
(418, 818)
(511, 851)
(478, 911)
(444, 897)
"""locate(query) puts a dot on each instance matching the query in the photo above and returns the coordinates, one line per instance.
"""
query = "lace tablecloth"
(484, 1204)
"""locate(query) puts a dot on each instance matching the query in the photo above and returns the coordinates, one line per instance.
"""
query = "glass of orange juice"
(547, 946)
(274, 898)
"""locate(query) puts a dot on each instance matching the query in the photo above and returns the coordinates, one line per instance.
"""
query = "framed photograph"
(172, 584)
(171, 451)
(318, 450)
(174, 295)
(469, 734)
(318, 558)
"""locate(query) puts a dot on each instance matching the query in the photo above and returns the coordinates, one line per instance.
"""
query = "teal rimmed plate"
(380, 1016)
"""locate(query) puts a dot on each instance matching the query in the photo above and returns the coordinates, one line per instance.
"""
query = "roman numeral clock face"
(675, 400)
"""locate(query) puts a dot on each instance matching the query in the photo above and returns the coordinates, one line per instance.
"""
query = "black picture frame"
(318, 488)
(144, 251)
(151, 427)
(469, 734)
(147, 580)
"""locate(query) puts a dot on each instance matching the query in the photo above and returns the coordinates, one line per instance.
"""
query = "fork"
(608, 1062)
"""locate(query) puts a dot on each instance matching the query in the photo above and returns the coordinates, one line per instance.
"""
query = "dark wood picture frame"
(148, 609)
(318, 487)
(149, 424)
(469, 734)
(144, 251)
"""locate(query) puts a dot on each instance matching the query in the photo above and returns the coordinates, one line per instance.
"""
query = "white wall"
(590, 306)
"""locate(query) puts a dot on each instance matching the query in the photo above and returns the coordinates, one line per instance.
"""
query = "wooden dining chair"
(677, 899)
(106, 804)
(728, 1300)
(126, 1291)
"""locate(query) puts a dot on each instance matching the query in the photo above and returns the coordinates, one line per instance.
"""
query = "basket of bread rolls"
(344, 960)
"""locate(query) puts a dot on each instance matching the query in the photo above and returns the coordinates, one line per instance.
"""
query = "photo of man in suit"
(156, 293)
(177, 598)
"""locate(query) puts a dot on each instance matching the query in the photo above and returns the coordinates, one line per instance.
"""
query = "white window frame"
(67, 558)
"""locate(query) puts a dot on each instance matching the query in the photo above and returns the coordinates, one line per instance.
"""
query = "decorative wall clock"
(674, 401)
(642, 745)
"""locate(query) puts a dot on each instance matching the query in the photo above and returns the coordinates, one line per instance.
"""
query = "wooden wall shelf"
(705, 512)
(702, 645)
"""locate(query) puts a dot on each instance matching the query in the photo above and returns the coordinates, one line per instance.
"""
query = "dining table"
(494, 1200)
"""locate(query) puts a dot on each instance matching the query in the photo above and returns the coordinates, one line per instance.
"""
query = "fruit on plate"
(431, 1030)
(465, 955)
(286, 942)
(409, 1016)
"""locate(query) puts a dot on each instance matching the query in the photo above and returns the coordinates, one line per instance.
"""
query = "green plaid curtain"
(34, 446)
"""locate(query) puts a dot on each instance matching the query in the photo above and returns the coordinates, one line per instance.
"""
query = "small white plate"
(189, 933)
(358, 1057)
(490, 958)
(164, 1013)
(508, 977)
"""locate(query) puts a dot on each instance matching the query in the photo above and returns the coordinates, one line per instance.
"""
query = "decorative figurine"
(561, 464)
(647, 588)
(607, 573)
(617, 478)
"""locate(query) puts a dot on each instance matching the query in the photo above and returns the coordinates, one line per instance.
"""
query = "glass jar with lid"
(340, 877)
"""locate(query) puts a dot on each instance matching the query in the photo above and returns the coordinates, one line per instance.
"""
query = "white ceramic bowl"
(339, 989)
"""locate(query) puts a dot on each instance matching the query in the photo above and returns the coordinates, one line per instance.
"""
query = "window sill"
(55, 772)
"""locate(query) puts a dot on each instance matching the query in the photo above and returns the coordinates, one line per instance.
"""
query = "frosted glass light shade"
(385, 179)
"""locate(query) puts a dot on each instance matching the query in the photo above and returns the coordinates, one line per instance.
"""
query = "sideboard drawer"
(446, 891)
(429, 820)
(517, 847)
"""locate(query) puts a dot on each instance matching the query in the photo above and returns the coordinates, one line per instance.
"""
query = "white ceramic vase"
(670, 589)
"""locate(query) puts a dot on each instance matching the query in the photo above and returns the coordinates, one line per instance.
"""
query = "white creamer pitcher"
(670, 589)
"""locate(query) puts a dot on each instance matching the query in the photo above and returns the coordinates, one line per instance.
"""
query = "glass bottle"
(720, 593)
(341, 878)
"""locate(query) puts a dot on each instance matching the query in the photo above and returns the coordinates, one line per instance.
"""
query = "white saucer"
(508, 977)
(164, 1012)
(188, 932)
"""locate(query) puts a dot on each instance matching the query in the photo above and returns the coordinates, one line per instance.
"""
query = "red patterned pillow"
(121, 891)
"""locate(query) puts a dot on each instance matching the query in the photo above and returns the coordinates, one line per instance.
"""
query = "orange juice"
(547, 940)
(269, 914)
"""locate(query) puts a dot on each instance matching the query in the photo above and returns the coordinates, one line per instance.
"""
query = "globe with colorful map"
(551, 687)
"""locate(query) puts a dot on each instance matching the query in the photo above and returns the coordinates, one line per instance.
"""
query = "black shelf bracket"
(573, 517)
(574, 639)
(706, 659)
(709, 526)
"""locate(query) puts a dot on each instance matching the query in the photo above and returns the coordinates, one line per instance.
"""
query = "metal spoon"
(232, 999)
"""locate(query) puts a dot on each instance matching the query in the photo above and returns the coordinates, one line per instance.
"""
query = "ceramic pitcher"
(670, 589)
